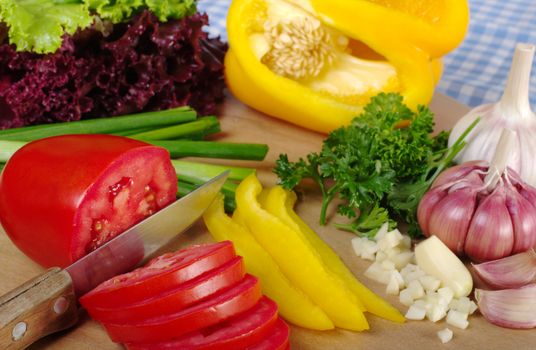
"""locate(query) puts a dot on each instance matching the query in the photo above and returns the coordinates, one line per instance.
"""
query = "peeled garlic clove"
(437, 260)
(510, 308)
(511, 272)
(523, 216)
(450, 218)
(491, 233)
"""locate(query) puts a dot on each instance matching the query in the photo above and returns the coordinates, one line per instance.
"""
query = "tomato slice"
(218, 308)
(238, 332)
(160, 275)
(183, 295)
(278, 339)
(62, 197)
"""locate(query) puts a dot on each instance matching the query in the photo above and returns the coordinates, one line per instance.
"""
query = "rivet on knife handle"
(41, 306)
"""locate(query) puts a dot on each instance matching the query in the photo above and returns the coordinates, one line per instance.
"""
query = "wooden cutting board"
(241, 124)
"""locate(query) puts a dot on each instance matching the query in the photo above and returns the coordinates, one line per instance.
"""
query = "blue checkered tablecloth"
(476, 71)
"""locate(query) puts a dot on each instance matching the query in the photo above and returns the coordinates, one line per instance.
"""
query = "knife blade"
(48, 303)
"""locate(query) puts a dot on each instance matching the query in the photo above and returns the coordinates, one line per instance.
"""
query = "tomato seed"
(119, 186)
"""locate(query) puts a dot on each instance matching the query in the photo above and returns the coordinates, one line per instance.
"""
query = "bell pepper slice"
(280, 203)
(298, 259)
(295, 306)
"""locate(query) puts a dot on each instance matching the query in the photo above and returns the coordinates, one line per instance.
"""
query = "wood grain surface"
(241, 124)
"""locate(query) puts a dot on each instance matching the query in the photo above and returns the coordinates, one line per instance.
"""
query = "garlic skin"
(512, 112)
(510, 308)
(511, 272)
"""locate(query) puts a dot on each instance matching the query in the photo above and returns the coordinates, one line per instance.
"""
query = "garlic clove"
(459, 172)
(491, 233)
(511, 272)
(426, 206)
(437, 260)
(523, 216)
(510, 308)
(450, 218)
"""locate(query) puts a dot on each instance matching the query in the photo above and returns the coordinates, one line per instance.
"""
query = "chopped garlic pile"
(394, 265)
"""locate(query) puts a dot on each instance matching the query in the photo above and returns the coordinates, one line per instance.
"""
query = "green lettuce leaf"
(38, 25)
(115, 10)
(165, 9)
(121, 10)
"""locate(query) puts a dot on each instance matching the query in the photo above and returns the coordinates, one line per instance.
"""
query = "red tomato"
(62, 197)
(183, 295)
(238, 332)
(160, 275)
(278, 339)
(231, 302)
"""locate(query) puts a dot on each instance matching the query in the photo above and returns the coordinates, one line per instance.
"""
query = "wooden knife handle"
(39, 307)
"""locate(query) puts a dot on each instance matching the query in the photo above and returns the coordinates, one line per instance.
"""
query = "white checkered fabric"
(476, 71)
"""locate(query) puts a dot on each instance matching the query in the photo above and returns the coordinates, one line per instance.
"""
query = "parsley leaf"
(386, 153)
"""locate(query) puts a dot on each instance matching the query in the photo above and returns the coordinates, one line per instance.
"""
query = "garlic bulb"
(512, 112)
(483, 211)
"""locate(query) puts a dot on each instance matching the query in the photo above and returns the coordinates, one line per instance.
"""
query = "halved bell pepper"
(294, 305)
(280, 203)
(303, 60)
(298, 259)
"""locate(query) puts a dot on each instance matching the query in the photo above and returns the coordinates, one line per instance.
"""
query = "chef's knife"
(48, 303)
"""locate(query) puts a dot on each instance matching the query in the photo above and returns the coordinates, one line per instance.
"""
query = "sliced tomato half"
(238, 332)
(183, 295)
(160, 275)
(278, 339)
(62, 197)
(233, 301)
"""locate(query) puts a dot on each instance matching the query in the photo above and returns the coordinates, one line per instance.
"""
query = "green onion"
(202, 125)
(186, 187)
(228, 188)
(7, 148)
(101, 125)
(132, 131)
(214, 149)
(205, 172)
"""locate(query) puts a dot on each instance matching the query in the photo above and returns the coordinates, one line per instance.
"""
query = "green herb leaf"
(369, 222)
(361, 164)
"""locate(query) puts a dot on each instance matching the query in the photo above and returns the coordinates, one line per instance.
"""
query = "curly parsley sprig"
(386, 149)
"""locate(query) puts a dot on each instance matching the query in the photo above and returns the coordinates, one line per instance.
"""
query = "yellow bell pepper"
(280, 203)
(302, 60)
(298, 260)
(296, 307)
(434, 26)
